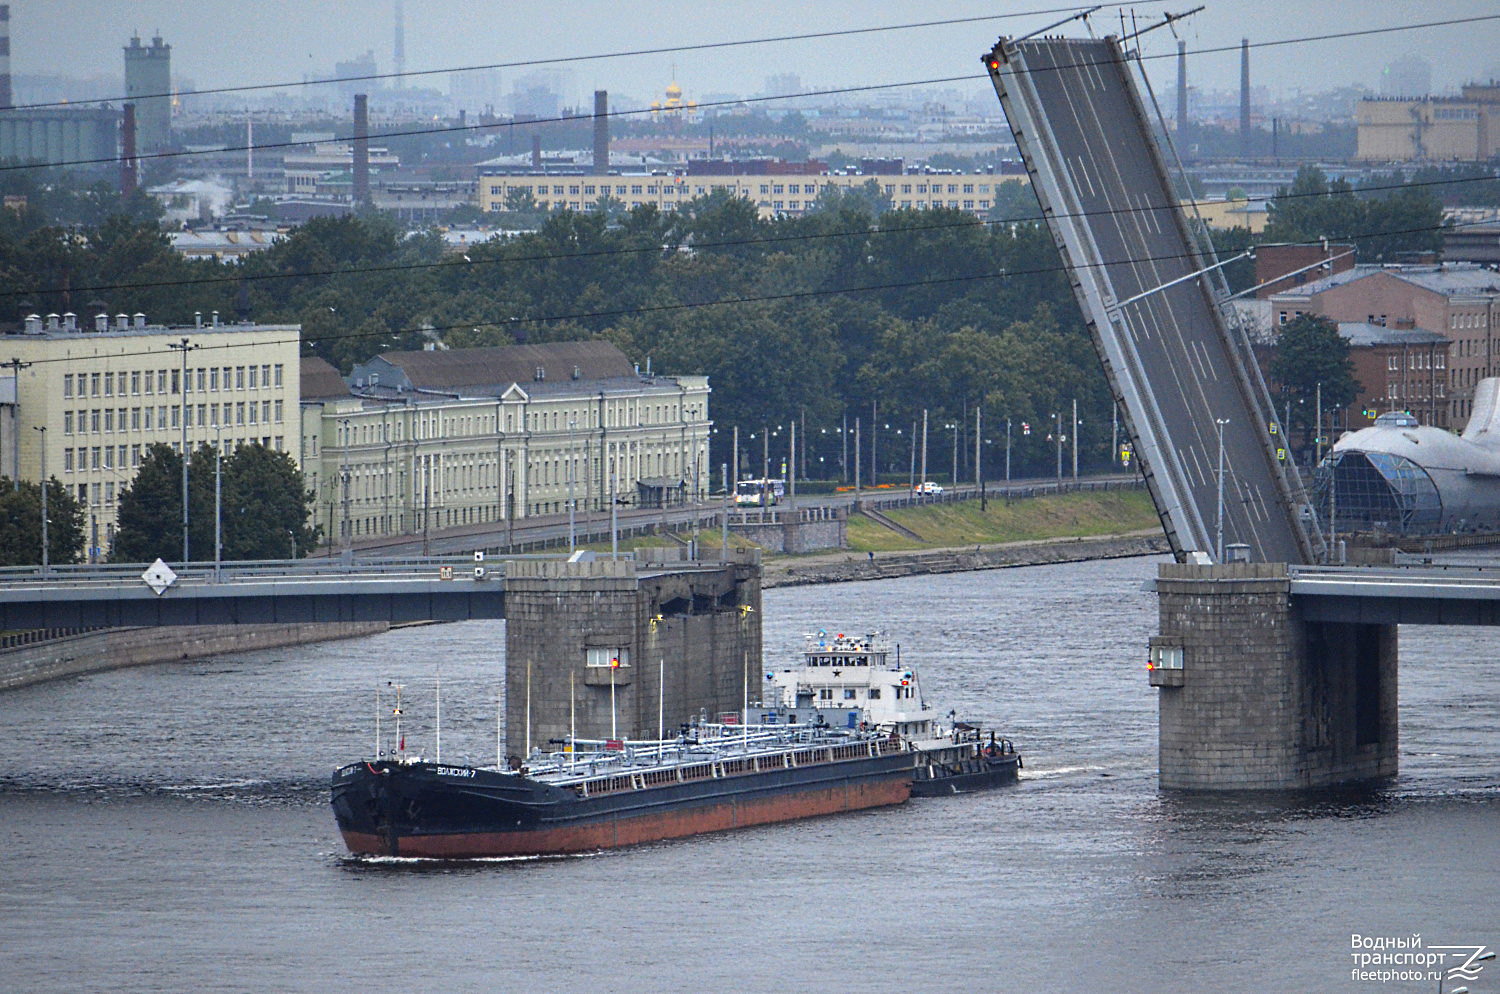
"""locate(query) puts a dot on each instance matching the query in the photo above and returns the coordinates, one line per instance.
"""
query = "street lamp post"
(1007, 450)
(218, 499)
(45, 550)
(1219, 554)
(184, 348)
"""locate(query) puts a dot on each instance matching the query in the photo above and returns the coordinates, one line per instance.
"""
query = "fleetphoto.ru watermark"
(1385, 959)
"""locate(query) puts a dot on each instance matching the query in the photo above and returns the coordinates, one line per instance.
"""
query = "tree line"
(853, 310)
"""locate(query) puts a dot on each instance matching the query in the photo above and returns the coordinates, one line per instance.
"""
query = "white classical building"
(418, 441)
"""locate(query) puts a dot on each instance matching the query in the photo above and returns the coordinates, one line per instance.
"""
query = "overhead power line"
(557, 60)
(466, 262)
(835, 91)
(512, 323)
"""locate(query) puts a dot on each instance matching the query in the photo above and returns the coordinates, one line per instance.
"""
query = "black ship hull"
(963, 776)
(453, 812)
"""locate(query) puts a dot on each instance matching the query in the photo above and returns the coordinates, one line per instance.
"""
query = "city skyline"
(278, 42)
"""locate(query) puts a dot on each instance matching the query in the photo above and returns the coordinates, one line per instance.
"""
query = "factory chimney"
(361, 149)
(536, 152)
(6, 101)
(1245, 97)
(601, 132)
(128, 179)
(399, 55)
(1181, 86)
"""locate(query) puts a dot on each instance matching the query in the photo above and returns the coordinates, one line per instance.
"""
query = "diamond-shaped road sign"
(159, 577)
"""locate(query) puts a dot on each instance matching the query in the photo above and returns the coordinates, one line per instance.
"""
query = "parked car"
(927, 488)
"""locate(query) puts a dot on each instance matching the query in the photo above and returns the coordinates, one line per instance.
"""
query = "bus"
(751, 493)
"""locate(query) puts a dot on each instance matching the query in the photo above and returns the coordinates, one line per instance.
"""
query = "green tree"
(148, 524)
(21, 524)
(267, 507)
(1312, 359)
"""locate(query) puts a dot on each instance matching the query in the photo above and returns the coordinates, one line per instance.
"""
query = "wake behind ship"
(605, 793)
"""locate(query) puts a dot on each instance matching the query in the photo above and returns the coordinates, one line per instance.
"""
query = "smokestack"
(601, 132)
(536, 151)
(1245, 96)
(127, 152)
(1181, 86)
(399, 55)
(5, 97)
(361, 149)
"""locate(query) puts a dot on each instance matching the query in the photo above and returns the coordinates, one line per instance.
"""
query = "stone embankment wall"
(115, 648)
(860, 566)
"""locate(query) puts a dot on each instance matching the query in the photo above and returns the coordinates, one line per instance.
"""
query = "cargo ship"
(599, 794)
(860, 681)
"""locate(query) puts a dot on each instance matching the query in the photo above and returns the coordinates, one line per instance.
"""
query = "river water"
(167, 829)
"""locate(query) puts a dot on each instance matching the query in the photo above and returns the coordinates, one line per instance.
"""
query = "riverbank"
(845, 566)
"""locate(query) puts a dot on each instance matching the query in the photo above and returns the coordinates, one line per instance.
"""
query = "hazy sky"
(219, 42)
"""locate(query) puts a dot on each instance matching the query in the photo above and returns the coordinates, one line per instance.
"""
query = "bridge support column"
(686, 634)
(1255, 698)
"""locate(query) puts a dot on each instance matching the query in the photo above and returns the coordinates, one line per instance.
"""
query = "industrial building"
(148, 85)
(1465, 128)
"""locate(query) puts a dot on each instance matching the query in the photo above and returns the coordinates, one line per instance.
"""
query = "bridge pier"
(1254, 697)
(687, 635)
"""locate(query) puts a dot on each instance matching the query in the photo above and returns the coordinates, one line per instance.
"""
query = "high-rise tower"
(148, 85)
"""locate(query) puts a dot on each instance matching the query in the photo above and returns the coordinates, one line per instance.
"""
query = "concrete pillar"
(691, 634)
(1255, 698)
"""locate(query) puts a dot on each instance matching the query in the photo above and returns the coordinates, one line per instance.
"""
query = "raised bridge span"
(1180, 369)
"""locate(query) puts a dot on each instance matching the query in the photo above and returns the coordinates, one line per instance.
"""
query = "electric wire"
(514, 322)
(557, 60)
(467, 262)
(772, 98)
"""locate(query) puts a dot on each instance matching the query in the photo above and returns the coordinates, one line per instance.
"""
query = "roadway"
(1123, 232)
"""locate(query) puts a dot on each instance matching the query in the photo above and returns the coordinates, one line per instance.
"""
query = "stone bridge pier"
(1253, 697)
(611, 644)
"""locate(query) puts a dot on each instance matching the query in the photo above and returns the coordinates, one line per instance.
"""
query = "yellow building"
(1225, 214)
(90, 400)
(778, 194)
(1431, 129)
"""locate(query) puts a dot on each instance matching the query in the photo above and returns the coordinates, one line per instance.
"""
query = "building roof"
(506, 364)
(1362, 333)
(1450, 280)
(320, 380)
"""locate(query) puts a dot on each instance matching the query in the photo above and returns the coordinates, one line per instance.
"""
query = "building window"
(277, 367)
(239, 377)
(94, 458)
(67, 384)
(213, 378)
(109, 419)
(253, 380)
(67, 422)
(606, 658)
(94, 421)
(239, 414)
(67, 463)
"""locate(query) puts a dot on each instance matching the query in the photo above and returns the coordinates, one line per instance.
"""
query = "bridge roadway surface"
(1123, 234)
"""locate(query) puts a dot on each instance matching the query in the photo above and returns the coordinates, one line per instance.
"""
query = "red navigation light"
(614, 662)
(994, 63)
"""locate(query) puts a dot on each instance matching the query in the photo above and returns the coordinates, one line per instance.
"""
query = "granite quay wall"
(113, 648)
(1265, 700)
(808, 529)
(684, 638)
(847, 566)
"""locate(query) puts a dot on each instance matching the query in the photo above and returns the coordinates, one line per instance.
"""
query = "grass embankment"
(1030, 519)
(961, 524)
